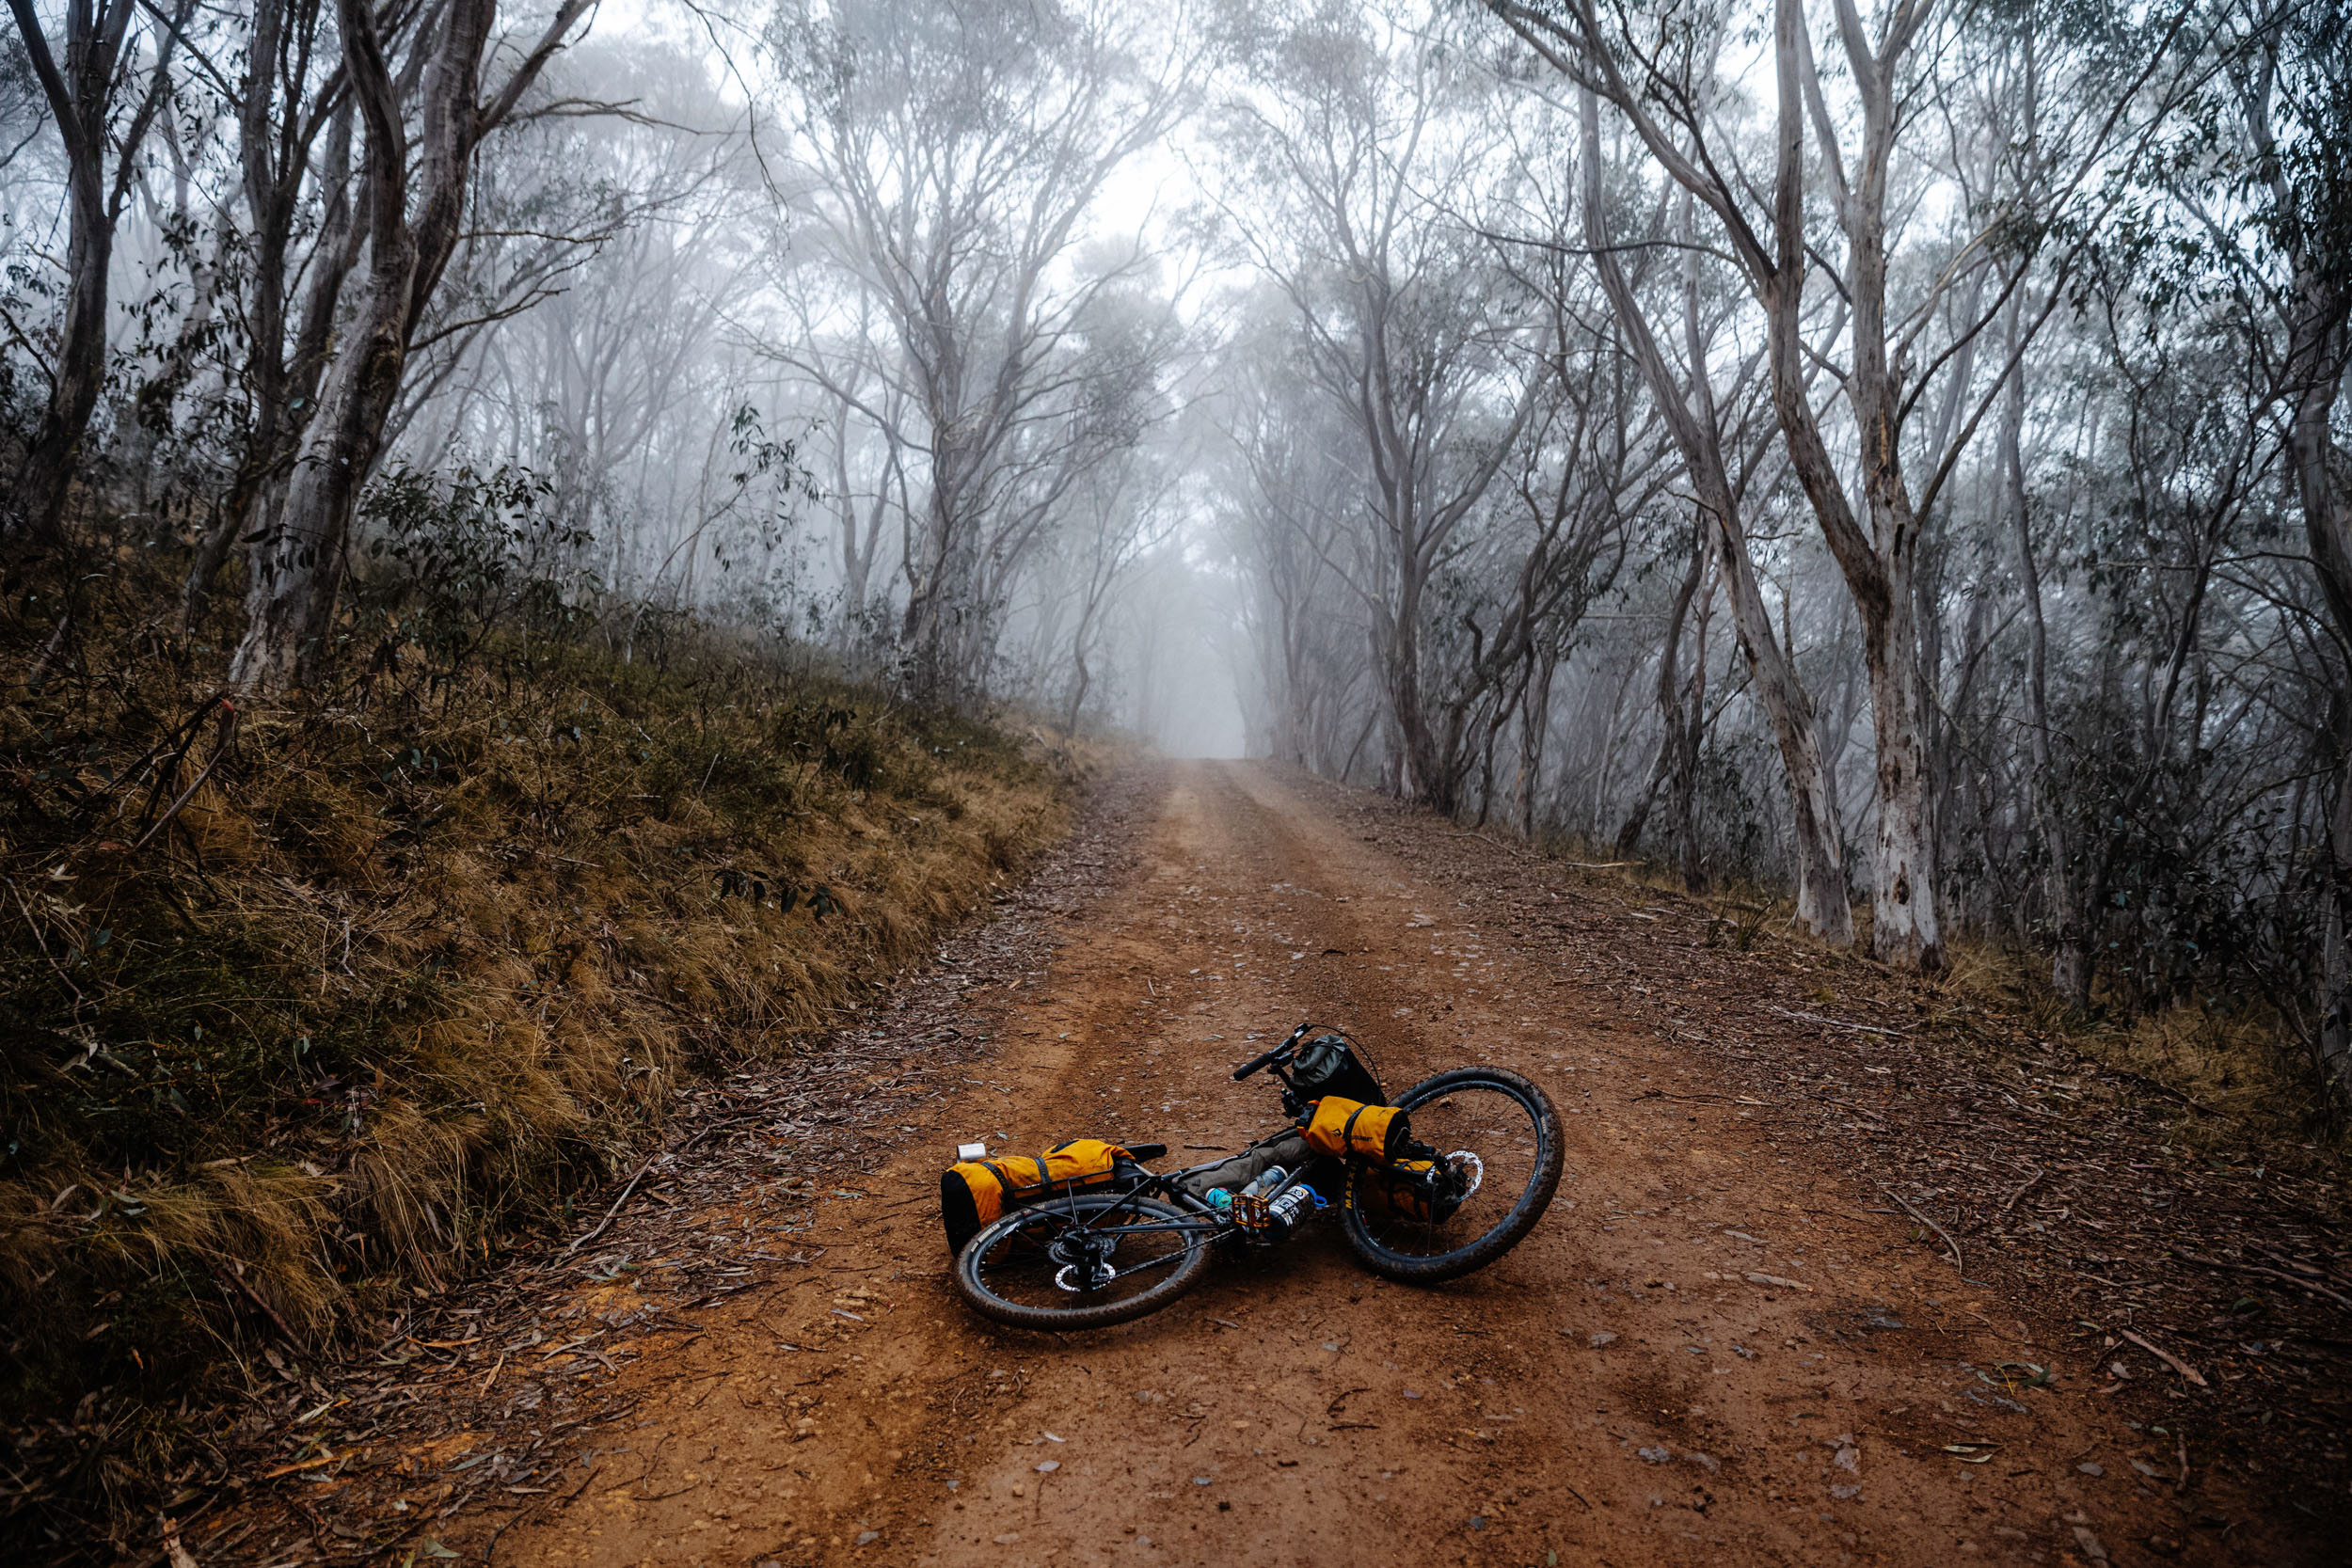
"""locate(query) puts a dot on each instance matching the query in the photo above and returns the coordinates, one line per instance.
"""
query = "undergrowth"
(303, 1008)
(2234, 1065)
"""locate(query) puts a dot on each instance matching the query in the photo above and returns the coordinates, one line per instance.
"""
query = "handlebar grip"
(1272, 1056)
(1255, 1064)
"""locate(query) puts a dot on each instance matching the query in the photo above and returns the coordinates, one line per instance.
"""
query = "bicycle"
(1094, 1259)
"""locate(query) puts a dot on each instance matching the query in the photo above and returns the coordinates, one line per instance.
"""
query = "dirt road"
(1709, 1350)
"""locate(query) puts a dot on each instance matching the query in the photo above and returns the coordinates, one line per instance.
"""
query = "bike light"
(971, 1152)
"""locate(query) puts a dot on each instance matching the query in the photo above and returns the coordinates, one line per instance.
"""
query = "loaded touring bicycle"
(1428, 1185)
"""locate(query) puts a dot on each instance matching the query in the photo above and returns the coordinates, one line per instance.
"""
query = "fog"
(1892, 460)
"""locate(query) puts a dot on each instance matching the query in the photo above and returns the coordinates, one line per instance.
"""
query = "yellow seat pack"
(1349, 1129)
(978, 1193)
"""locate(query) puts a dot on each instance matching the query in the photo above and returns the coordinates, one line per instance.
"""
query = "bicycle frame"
(1218, 1225)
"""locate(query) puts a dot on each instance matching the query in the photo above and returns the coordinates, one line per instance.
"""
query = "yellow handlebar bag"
(977, 1194)
(1349, 1129)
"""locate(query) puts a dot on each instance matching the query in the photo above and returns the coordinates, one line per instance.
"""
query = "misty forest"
(1877, 466)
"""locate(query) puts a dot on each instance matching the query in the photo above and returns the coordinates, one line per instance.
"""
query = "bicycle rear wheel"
(1500, 1136)
(1087, 1261)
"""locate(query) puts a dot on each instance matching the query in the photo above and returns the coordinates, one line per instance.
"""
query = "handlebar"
(1259, 1063)
(1279, 1054)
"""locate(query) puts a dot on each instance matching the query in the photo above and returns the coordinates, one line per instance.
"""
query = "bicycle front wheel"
(1498, 1140)
(1087, 1261)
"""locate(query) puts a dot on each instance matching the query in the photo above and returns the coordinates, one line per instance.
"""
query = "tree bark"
(297, 560)
(1821, 903)
(80, 96)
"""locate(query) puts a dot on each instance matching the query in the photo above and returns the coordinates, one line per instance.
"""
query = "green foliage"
(452, 560)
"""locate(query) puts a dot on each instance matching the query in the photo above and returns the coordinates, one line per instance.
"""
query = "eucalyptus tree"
(1936, 220)
(103, 87)
(1584, 480)
(415, 215)
(1709, 405)
(290, 95)
(946, 162)
(1345, 123)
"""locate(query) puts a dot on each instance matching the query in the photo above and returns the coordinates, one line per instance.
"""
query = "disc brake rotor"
(1462, 1159)
(1085, 1262)
(1065, 1277)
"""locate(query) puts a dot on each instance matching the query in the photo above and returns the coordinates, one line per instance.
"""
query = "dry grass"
(399, 975)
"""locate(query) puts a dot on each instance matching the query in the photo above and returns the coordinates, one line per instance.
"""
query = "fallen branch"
(605, 1223)
(1928, 1223)
(1777, 1280)
(220, 750)
(244, 1288)
(2011, 1201)
(1837, 1022)
(2167, 1357)
(2282, 1275)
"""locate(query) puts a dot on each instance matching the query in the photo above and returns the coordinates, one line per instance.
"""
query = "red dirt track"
(1627, 1387)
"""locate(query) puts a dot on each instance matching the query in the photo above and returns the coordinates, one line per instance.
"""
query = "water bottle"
(1274, 1177)
(1293, 1206)
(1217, 1197)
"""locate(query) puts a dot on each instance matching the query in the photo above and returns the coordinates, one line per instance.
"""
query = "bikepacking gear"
(1349, 1129)
(1288, 1150)
(1293, 1206)
(974, 1194)
(1057, 1255)
(1330, 1063)
(1430, 1191)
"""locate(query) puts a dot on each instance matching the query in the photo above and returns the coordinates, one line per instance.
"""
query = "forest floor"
(1733, 1338)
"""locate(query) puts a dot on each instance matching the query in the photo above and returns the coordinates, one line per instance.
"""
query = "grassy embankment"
(306, 1008)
